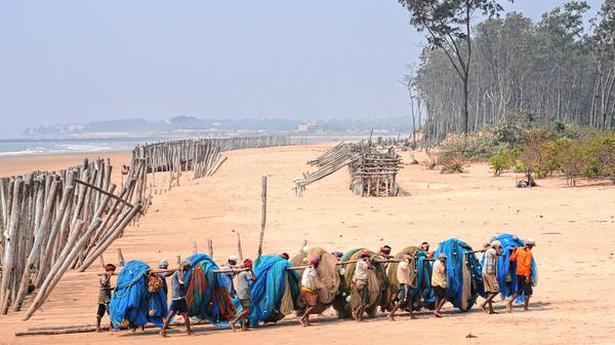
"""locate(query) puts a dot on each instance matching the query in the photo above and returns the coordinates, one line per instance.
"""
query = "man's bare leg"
(163, 331)
(98, 324)
(526, 305)
(510, 302)
(305, 319)
(439, 306)
(187, 321)
(392, 313)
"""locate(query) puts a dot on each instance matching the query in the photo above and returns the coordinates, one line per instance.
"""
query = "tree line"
(546, 71)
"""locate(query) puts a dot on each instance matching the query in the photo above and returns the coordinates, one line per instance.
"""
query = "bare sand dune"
(574, 228)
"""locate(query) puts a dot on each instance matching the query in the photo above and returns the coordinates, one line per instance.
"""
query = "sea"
(18, 147)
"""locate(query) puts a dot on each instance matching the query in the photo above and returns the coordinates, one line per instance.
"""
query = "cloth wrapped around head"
(315, 262)
(248, 263)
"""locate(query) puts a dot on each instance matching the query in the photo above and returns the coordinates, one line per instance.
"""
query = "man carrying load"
(179, 306)
(438, 283)
(104, 295)
(231, 262)
(404, 278)
(244, 279)
(309, 290)
(523, 257)
(490, 279)
(361, 283)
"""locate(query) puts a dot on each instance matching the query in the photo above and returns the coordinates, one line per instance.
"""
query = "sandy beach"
(574, 229)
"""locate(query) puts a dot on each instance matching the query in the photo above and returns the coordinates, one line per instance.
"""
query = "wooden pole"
(120, 257)
(194, 248)
(263, 216)
(210, 248)
(239, 249)
(9, 239)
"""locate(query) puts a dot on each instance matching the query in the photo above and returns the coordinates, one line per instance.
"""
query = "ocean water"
(17, 147)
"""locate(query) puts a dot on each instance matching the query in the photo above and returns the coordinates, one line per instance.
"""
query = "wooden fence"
(55, 221)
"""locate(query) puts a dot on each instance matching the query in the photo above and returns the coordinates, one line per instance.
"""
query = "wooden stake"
(263, 216)
(194, 249)
(210, 248)
(239, 249)
(120, 257)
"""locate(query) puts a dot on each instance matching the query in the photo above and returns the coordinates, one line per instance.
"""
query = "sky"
(81, 61)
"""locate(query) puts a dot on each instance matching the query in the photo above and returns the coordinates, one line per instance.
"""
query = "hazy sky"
(79, 61)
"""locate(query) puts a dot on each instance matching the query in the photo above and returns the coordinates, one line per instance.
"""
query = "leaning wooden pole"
(261, 236)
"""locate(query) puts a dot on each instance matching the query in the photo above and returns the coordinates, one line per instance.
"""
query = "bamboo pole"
(9, 238)
(103, 246)
(239, 249)
(38, 242)
(263, 216)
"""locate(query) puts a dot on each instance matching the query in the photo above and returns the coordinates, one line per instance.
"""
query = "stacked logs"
(373, 170)
(53, 221)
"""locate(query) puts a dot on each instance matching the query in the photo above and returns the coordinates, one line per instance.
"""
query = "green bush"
(572, 158)
(600, 151)
(503, 160)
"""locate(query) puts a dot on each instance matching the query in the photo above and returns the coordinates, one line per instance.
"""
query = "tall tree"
(602, 47)
(448, 27)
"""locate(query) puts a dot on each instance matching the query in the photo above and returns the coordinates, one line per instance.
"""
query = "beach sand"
(574, 229)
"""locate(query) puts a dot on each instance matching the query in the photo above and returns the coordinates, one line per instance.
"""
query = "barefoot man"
(178, 298)
(405, 284)
(523, 257)
(438, 283)
(361, 283)
(104, 296)
(309, 290)
(244, 279)
(490, 279)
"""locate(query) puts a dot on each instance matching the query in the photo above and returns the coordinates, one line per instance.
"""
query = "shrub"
(451, 165)
(503, 160)
(572, 158)
(601, 156)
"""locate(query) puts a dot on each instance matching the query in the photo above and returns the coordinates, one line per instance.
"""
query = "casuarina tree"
(447, 24)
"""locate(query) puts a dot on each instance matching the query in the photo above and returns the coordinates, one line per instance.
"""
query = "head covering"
(109, 267)
(315, 262)
(385, 249)
(185, 262)
(530, 242)
(365, 253)
(497, 244)
(285, 256)
(338, 254)
(442, 256)
(233, 258)
(247, 263)
(164, 264)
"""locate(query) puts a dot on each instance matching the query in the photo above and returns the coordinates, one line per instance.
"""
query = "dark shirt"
(104, 295)
(178, 287)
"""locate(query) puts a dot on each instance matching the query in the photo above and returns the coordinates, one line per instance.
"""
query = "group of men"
(244, 277)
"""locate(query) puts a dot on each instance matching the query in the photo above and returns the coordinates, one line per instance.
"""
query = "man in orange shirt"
(523, 257)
